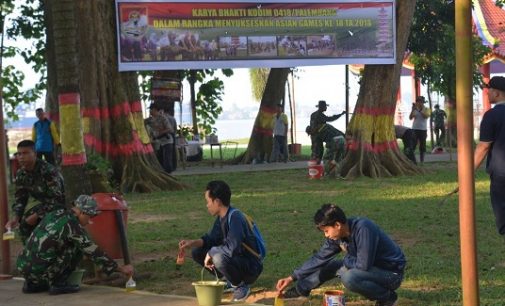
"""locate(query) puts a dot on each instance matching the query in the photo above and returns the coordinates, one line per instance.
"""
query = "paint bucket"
(209, 293)
(334, 298)
(76, 277)
(316, 171)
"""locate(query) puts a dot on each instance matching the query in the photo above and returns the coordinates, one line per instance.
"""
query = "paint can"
(316, 170)
(334, 298)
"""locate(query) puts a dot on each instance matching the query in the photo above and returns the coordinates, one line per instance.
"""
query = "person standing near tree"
(280, 147)
(420, 115)
(39, 180)
(492, 144)
(438, 118)
(317, 130)
(161, 128)
(45, 135)
(409, 141)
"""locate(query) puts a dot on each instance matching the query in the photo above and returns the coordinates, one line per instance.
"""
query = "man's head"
(437, 106)
(279, 108)
(154, 109)
(420, 101)
(496, 89)
(26, 155)
(322, 105)
(331, 220)
(39, 112)
(86, 206)
(217, 195)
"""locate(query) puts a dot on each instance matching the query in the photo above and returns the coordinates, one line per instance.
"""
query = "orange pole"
(464, 98)
(486, 76)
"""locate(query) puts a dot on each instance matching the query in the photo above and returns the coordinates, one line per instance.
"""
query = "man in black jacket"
(230, 246)
(372, 266)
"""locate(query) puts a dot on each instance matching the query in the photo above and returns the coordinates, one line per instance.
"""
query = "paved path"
(278, 166)
(10, 294)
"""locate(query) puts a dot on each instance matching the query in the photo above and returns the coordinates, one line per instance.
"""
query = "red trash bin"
(105, 230)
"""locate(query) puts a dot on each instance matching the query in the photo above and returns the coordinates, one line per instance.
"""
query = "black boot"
(63, 288)
(29, 287)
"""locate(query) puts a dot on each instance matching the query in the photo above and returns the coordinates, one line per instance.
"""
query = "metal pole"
(4, 210)
(346, 96)
(464, 94)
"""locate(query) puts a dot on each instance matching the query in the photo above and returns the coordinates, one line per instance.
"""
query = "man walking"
(230, 248)
(39, 180)
(492, 145)
(438, 118)
(45, 135)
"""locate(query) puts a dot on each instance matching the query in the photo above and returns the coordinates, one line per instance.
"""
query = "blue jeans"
(374, 284)
(280, 149)
(236, 269)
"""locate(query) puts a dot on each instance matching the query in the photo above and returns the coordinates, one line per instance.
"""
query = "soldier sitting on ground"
(56, 246)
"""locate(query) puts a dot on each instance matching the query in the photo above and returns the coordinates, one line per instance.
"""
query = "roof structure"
(489, 24)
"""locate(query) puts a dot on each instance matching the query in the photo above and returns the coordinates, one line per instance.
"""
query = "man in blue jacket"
(372, 266)
(229, 247)
(45, 135)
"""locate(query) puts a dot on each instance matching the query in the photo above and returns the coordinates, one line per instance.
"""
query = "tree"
(261, 136)
(110, 102)
(372, 148)
(259, 77)
(432, 43)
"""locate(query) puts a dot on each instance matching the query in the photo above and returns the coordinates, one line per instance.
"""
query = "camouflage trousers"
(26, 229)
(334, 154)
(48, 271)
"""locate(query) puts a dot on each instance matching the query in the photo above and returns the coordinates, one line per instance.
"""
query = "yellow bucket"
(209, 293)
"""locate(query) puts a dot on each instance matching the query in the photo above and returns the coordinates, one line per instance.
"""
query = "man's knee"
(220, 260)
(351, 280)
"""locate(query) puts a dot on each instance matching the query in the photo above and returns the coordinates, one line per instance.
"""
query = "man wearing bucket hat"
(318, 129)
(492, 145)
(230, 248)
(372, 266)
(56, 246)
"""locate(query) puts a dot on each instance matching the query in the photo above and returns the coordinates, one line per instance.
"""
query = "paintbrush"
(447, 196)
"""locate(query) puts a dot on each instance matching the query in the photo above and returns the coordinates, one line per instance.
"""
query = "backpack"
(261, 250)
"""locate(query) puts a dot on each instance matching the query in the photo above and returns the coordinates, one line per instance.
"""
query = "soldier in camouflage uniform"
(37, 179)
(57, 245)
(318, 130)
(335, 147)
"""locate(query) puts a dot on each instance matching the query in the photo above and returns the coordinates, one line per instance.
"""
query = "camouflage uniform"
(318, 132)
(55, 248)
(335, 147)
(45, 185)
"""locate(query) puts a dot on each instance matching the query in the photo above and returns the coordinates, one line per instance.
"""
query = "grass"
(283, 204)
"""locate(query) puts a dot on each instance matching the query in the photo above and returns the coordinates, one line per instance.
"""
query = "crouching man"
(56, 246)
(372, 266)
(230, 247)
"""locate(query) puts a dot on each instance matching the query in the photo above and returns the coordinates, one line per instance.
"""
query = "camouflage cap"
(86, 204)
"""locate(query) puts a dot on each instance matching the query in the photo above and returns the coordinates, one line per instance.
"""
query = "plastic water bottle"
(8, 235)
(131, 285)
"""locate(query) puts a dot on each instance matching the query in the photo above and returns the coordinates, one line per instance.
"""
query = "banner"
(162, 35)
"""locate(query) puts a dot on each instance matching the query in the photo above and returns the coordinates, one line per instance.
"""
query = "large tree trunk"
(261, 137)
(372, 149)
(112, 115)
(62, 36)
